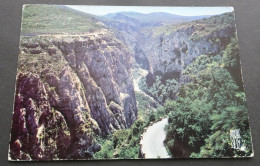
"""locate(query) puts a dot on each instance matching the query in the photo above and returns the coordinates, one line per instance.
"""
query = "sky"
(184, 11)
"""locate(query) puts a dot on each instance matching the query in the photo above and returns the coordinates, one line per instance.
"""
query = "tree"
(211, 91)
(218, 144)
(106, 151)
(231, 61)
(159, 90)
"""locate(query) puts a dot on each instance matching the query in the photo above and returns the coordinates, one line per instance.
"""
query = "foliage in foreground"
(124, 144)
(160, 90)
(207, 108)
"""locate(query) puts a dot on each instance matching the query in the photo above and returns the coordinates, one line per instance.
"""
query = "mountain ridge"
(154, 18)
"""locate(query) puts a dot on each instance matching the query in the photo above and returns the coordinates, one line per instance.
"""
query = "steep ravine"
(170, 54)
(167, 50)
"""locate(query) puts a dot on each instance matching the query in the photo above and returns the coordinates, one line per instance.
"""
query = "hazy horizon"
(182, 11)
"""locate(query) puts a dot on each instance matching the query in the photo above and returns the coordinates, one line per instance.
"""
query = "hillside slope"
(42, 19)
(152, 19)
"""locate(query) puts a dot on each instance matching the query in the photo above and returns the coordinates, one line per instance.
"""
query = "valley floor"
(138, 74)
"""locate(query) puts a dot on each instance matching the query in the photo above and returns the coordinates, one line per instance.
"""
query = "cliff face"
(166, 50)
(173, 52)
(37, 128)
(69, 87)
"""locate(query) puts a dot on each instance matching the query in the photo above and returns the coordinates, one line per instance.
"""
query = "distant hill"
(38, 19)
(48, 19)
(152, 19)
(200, 28)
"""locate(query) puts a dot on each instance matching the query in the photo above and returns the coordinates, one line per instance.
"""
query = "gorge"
(87, 85)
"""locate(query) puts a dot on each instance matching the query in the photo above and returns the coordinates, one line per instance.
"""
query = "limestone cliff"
(170, 52)
(68, 89)
(166, 50)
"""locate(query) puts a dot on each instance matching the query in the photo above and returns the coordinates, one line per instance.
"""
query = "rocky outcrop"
(38, 131)
(167, 50)
(173, 52)
(71, 89)
(102, 64)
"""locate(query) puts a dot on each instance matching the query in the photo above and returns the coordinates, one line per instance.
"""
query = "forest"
(204, 110)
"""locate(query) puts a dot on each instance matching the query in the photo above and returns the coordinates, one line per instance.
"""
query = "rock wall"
(68, 89)
(173, 52)
(37, 129)
(167, 50)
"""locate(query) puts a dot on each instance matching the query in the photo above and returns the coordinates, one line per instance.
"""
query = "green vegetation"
(201, 112)
(123, 144)
(145, 104)
(231, 62)
(218, 143)
(161, 90)
(199, 28)
(39, 63)
(106, 151)
(201, 63)
(204, 111)
(157, 31)
(208, 107)
(205, 27)
(39, 19)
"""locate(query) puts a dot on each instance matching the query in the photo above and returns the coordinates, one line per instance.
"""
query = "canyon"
(72, 88)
